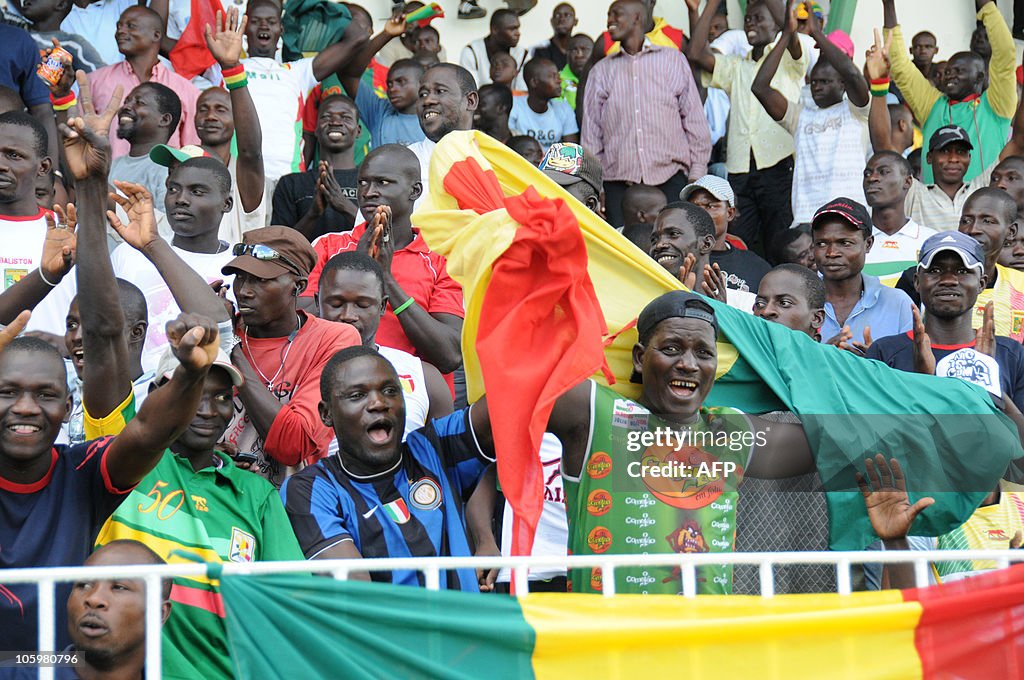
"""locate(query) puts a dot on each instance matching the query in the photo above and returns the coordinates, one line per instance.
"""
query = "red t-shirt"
(297, 433)
(421, 274)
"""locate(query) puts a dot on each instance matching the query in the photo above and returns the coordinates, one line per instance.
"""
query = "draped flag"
(190, 56)
(952, 442)
(284, 626)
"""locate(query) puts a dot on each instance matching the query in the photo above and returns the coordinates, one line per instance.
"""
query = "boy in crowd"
(492, 115)
(540, 113)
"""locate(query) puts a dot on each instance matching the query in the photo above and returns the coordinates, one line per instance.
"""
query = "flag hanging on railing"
(285, 626)
(948, 436)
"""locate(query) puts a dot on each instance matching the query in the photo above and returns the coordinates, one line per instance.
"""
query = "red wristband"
(69, 98)
(233, 71)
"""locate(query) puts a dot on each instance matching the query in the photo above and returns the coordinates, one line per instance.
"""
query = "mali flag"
(190, 55)
(284, 626)
(482, 214)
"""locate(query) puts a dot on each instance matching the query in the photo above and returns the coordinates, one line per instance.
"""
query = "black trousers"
(763, 200)
(614, 191)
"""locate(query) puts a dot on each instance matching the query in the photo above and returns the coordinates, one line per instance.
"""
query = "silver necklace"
(284, 353)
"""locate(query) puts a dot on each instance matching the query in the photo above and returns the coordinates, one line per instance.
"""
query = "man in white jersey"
(898, 238)
(23, 159)
(352, 292)
(279, 90)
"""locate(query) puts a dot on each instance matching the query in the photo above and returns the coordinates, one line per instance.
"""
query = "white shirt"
(131, 265)
(832, 147)
(553, 526)
(236, 221)
(97, 23)
(23, 239)
(424, 150)
(279, 91)
(891, 255)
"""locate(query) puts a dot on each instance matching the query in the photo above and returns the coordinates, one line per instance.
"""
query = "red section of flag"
(972, 628)
(539, 304)
(190, 56)
(197, 597)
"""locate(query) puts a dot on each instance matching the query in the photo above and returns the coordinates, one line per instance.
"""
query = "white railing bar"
(432, 578)
(340, 574)
(844, 581)
(47, 622)
(521, 577)
(689, 579)
(64, 574)
(608, 579)
(154, 624)
(767, 575)
(920, 573)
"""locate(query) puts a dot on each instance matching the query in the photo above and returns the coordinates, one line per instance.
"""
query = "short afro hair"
(463, 77)
(327, 377)
(501, 92)
(354, 260)
(40, 139)
(814, 287)
(702, 223)
(212, 165)
(167, 101)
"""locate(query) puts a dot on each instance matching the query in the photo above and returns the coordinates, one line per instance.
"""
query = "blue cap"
(963, 245)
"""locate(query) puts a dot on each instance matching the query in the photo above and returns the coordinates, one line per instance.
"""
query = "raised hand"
(813, 26)
(792, 23)
(840, 338)
(63, 86)
(86, 143)
(225, 40)
(686, 275)
(13, 329)
(141, 229)
(330, 190)
(886, 499)
(713, 284)
(924, 358)
(876, 59)
(61, 244)
(194, 341)
(395, 25)
(377, 241)
(693, 6)
(985, 339)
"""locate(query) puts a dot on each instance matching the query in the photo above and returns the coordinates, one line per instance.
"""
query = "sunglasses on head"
(264, 253)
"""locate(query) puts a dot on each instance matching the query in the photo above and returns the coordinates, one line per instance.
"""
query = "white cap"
(169, 362)
(714, 185)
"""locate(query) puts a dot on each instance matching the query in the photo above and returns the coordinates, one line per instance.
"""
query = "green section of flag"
(298, 626)
(953, 444)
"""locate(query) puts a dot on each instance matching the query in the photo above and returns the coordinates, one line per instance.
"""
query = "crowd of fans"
(241, 348)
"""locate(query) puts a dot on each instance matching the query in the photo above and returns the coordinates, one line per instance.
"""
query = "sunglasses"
(264, 253)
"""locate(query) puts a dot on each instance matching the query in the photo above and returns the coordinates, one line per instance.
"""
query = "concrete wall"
(951, 20)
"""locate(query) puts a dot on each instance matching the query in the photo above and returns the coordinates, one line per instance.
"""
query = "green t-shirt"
(220, 514)
(570, 83)
(647, 488)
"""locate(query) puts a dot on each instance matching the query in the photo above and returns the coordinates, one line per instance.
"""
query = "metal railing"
(47, 578)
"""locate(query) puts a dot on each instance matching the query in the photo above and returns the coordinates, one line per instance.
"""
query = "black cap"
(949, 134)
(671, 305)
(847, 209)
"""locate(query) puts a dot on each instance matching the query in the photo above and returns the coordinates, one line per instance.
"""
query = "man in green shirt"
(195, 502)
(580, 48)
(962, 98)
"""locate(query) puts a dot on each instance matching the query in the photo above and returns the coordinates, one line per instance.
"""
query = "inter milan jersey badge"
(425, 494)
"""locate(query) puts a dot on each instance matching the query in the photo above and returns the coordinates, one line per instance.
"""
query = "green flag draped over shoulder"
(951, 440)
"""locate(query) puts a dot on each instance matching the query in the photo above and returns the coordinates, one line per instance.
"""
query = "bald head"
(389, 176)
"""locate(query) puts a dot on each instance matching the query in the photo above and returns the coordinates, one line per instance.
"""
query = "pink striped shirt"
(643, 117)
(104, 80)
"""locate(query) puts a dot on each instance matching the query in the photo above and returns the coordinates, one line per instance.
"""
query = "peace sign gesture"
(86, 143)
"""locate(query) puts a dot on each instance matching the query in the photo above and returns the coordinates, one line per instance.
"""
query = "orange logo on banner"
(599, 539)
(600, 465)
(599, 502)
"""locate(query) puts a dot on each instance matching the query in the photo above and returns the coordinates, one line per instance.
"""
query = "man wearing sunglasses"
(281, 353)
